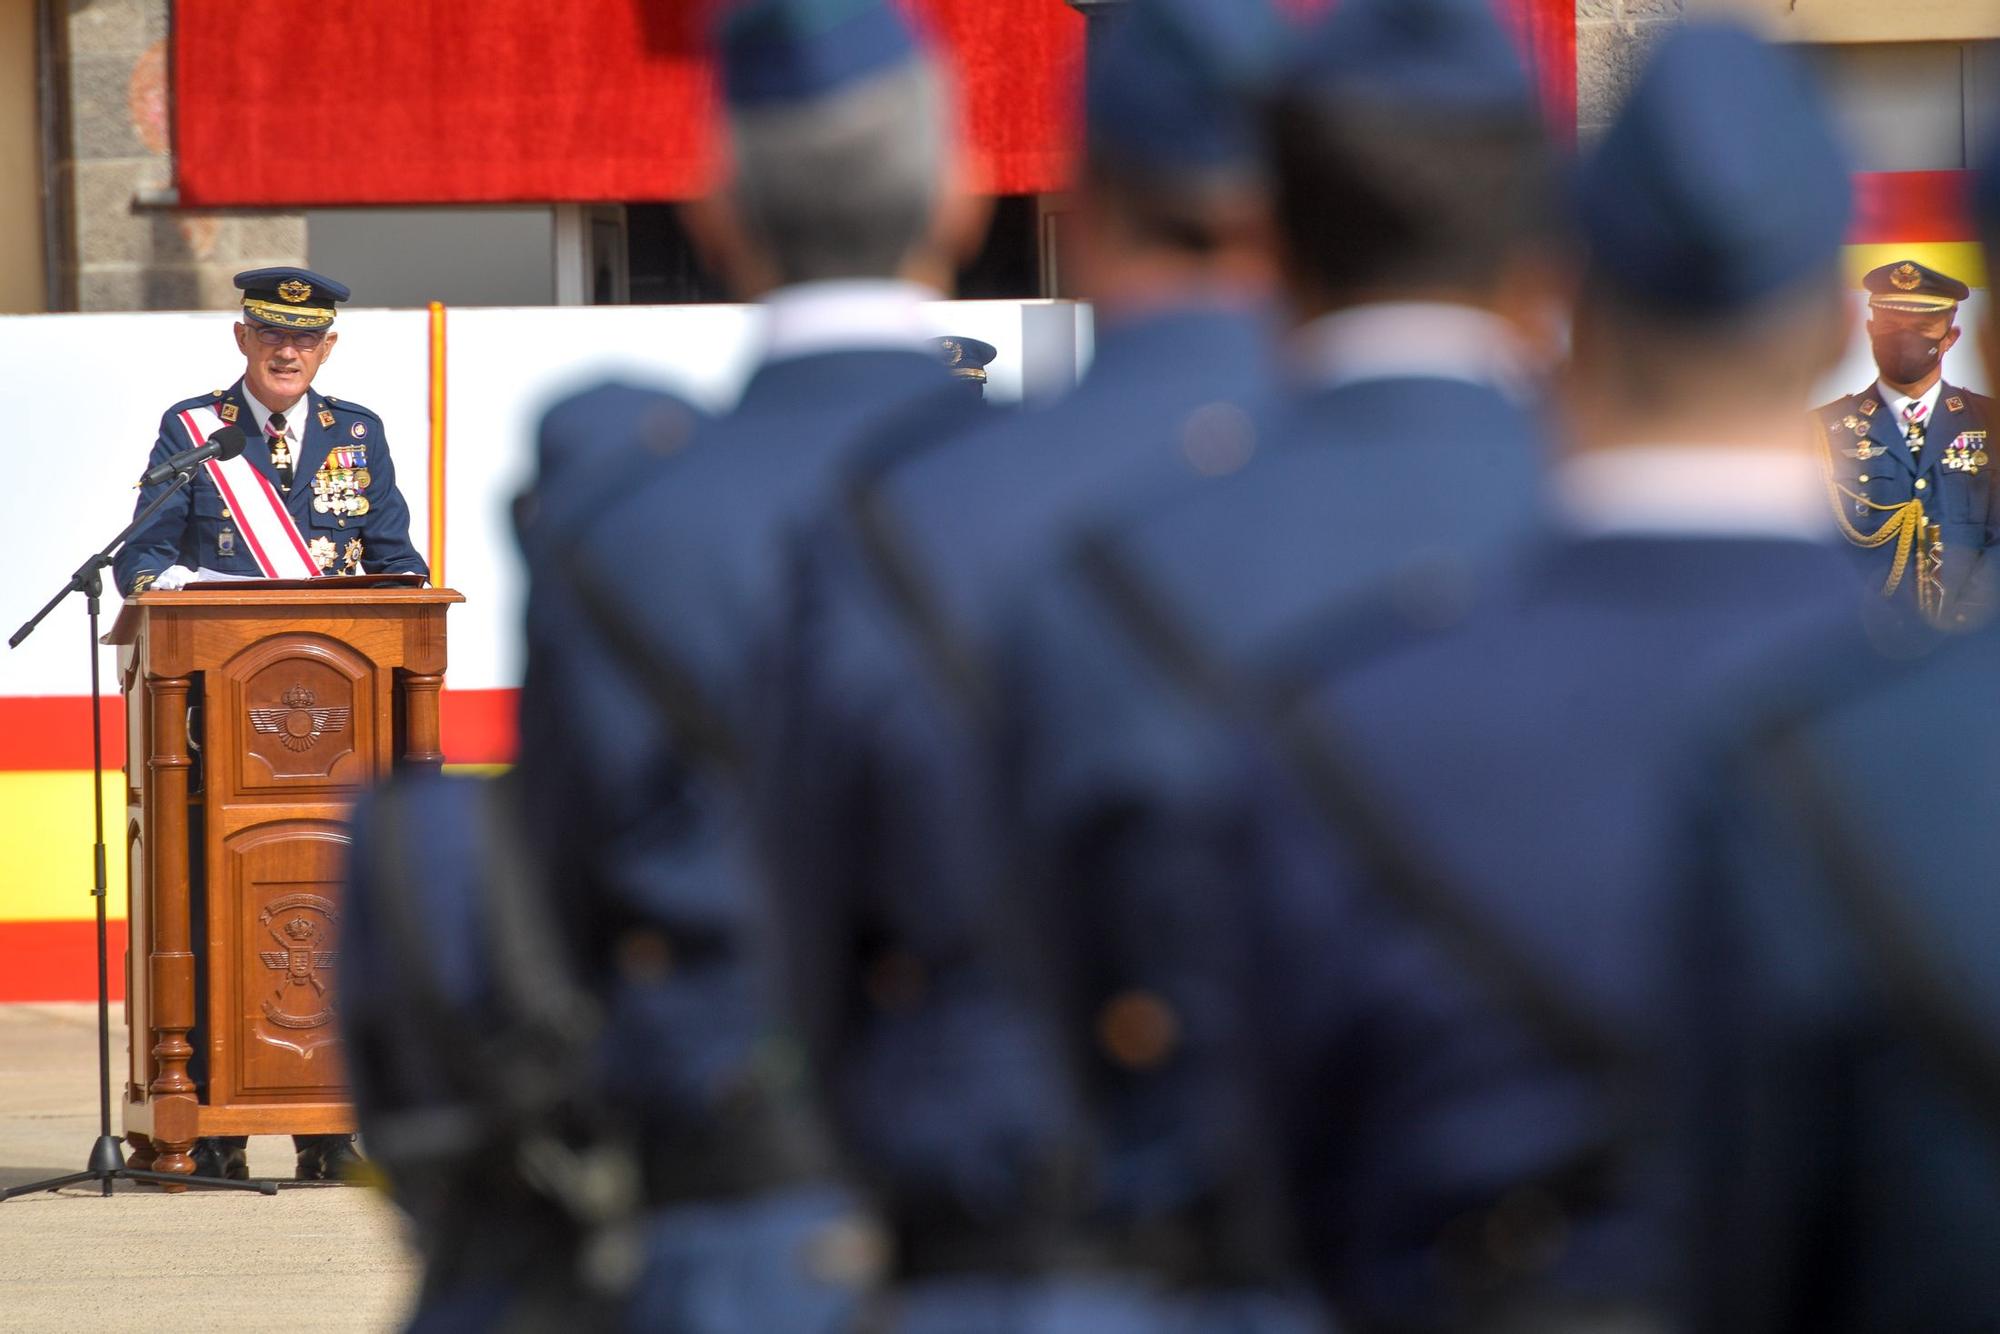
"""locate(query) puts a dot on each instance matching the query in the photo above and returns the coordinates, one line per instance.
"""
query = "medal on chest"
(341, 484)
(1966, 454)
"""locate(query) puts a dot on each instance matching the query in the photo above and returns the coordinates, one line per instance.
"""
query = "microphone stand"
(107, 1160)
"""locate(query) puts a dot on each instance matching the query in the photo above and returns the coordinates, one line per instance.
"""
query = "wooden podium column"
(171, 978)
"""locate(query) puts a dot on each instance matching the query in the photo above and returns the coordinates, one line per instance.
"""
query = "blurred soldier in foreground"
(1505, 784)
(950, 1099)
(1414, 203)
(1907, 457)
(474, 1042)
(841, 215)
(1842, 965)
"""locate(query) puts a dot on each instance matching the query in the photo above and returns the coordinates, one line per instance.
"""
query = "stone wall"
(123, 257)
(1612, 39)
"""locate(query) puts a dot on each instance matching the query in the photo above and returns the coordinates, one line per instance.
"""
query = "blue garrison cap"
(1721, 182)
(291, 298)
(788, 51)
(1449, 55)
(1177, 85)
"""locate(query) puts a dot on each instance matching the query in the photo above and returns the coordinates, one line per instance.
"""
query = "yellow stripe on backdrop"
(1963, 260)
(45, 837)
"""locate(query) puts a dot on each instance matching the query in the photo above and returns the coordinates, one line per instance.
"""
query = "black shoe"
(327, 1158)
(221, 1156)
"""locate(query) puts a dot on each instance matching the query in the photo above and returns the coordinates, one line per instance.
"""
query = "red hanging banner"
(522, 101)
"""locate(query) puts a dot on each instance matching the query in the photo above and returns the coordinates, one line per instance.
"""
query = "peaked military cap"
(966, 358)
(790, 51)
(1177, 85)
(290, 298)
(1908, 285)
(1451, 56)
(1721, 183)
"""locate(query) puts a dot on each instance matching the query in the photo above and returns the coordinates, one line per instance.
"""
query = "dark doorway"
(664, 270)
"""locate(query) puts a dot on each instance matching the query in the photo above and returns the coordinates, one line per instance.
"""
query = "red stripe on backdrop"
(1912, 206)
(57, 961)
(53, 732)
(479, 725)
(444, 101)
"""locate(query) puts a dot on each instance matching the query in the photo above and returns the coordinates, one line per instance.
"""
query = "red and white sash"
(267, 525)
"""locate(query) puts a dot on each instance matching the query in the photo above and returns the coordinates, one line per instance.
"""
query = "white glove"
(174, 576)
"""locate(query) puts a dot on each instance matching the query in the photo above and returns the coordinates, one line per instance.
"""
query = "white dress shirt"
(845, 315)
(1698, 491)
(1392, 340)
(261, 416)
(1900, 403)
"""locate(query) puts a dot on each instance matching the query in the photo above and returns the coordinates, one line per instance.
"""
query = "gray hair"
(846, 186)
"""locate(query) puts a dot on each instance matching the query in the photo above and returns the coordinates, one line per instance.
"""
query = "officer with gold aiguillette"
(1907, 457)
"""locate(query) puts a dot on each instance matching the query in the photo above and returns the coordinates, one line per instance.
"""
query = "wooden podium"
(307, 694)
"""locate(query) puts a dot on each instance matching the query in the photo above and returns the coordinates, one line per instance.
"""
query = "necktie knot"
(1913, 425)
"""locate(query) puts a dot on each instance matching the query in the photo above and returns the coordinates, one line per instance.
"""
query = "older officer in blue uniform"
(949, 1096)
(1841, 964)
(328, 462)
(327, 458)
(1908, 455)
(839, 217)
(1447, 965)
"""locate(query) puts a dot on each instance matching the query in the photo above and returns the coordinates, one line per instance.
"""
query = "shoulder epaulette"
(348, 405)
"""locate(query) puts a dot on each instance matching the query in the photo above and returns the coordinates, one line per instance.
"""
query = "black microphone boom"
(226, 443)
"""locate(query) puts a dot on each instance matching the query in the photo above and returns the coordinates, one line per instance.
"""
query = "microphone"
(226, 443)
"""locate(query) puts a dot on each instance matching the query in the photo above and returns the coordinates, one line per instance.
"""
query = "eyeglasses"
(306, 340)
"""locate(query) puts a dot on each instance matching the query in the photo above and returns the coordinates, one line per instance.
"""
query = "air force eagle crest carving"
(300, 924)
(298, 725)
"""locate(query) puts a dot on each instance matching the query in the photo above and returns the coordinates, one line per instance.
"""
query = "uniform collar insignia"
(1954, 404)
(1869, 404)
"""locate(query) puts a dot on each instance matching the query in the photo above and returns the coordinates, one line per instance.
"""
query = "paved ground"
(319, 1258)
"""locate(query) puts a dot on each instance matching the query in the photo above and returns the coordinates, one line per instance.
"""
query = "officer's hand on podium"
(174, 576)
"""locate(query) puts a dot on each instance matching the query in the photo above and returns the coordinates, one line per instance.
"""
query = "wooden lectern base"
(286, 702)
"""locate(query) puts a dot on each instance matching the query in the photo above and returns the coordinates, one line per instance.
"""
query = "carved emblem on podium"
(301, 924)
(298, 725)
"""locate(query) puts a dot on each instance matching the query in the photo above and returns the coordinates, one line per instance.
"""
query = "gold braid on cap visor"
(291, 317)
(1915, 305)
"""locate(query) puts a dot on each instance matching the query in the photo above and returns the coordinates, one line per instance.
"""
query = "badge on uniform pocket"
(225, 542)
